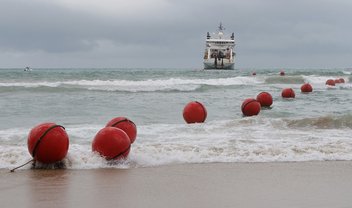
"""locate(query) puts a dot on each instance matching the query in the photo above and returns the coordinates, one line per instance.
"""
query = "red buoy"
(126, 125)
(111, 143)
(288, 93)
(282, 73)
(48, 143)
(306, 88)
(254, 73)
(265, 99)
(330, 82)
(342, 80)
(194, 112)
(250, 107)
(337, 81)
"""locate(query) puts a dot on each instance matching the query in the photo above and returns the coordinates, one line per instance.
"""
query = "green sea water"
(315, 126)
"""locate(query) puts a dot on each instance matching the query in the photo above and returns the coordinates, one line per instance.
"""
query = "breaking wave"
(243, 140)
(150, 85)
(325, 122)
(300, 79)
(284, 80)
(321, 79)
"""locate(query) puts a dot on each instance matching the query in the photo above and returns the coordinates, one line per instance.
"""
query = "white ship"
(27, 68)
(219, 52)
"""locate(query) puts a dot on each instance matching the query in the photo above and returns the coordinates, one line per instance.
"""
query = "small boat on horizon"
(219, 50)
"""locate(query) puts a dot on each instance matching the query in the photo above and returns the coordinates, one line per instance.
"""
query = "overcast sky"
(171, 33)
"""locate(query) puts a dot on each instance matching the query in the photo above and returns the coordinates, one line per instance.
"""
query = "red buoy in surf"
(337, 81)
(250, 107)
(288, 93)
(194, 112)
(282, 73)
(111, 143)
(126, 125)
(305, 88)
(254, 73)
(48, 143)
(265, 99)
(330, 82)
(342, 80)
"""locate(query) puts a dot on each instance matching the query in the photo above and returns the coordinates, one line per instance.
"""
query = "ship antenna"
(221, 28)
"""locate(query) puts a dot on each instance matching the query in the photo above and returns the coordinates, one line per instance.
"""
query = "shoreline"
(272, 184)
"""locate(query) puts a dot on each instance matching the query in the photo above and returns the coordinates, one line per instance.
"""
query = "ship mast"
(220, 31)
(221, 28)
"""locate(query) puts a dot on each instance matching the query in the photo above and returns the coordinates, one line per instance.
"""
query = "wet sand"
(296, 184)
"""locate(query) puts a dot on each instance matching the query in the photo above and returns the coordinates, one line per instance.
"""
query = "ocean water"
(315, 126)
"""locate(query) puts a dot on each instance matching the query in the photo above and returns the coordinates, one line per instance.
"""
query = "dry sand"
(299, 184)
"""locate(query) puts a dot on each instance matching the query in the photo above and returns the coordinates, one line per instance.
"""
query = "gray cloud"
(30, 26)
(269, 33)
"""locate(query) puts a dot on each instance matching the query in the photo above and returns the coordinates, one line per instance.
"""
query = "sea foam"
(172, 84)
(246, 140)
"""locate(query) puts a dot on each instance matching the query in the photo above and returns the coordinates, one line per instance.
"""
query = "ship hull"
(216, 66)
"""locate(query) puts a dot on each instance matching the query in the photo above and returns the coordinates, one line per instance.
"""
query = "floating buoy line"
(48, 143)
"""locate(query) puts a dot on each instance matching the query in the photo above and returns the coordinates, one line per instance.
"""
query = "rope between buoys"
(123, 120)
(123, 152)
(204, 110)
(248, 103)
(13, 170)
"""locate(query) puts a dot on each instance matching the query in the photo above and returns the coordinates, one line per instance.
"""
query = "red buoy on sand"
(330, 82)
(342, 80)
(111, 143)
(194, 112)
(282, 73)
(288, 93)
(126, 125)
(48, 143)
(306, 88)
(250, 107)
(265, 99)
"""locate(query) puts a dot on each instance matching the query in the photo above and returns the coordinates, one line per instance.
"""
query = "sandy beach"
(296, 184)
